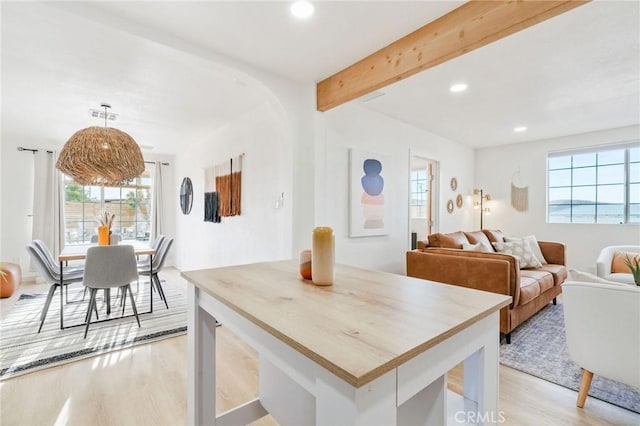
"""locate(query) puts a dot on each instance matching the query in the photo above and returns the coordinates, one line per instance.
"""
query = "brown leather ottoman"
(9, 282)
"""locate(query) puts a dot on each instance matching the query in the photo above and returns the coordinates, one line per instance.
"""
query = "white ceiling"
(575, 73)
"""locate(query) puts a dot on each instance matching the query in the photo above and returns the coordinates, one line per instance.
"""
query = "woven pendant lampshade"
(101, 156)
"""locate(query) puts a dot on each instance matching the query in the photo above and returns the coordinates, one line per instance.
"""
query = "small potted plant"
(634, 265)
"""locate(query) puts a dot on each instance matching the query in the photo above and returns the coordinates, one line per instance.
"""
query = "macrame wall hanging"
(519, 193)
(223, 190)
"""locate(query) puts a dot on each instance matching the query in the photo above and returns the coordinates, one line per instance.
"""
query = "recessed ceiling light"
(520, 129)
(458, 87)
(302, 9)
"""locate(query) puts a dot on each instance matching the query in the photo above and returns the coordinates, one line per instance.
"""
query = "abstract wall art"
(223, 190)
(369, 213)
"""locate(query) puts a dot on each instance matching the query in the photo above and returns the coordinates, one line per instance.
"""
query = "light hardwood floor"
(146, 385)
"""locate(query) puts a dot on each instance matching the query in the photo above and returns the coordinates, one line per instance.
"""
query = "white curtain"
(157, 205)
(48, 202)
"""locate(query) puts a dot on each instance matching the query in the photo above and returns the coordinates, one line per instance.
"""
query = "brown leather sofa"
(442, 259)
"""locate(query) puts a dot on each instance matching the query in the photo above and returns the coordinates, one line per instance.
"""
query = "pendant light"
(101, 156)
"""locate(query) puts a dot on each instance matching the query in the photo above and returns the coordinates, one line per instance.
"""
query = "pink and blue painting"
(369, 211)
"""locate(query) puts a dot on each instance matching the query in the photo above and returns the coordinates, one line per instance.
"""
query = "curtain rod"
(33, 151)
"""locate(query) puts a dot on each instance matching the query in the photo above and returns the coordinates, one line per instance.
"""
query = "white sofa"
(602, 325)
(603, 264)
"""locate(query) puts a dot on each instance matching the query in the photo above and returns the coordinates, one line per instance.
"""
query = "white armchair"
(602, 325)
(603, 264)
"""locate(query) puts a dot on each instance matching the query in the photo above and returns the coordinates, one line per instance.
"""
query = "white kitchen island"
(372, 349)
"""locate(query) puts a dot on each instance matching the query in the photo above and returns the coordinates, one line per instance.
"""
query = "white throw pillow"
(521, 250)
(533, 243)
(477, 247)
(585, 277)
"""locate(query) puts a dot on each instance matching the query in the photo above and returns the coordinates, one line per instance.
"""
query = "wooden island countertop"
(364, 325)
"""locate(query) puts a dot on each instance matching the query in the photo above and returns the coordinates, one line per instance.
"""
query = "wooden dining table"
(79, 252)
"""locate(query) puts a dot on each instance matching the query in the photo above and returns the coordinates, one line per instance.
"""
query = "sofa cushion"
(559, 272)
(619, 262)
(453, 240)
(529, 290)
(495, 236)
(476, 237)
(521, 250)
(533, 243)
(621, 278)
(545, 279)
(483, 247)
(585, 277)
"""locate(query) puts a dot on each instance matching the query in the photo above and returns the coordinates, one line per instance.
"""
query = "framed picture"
(369, 205)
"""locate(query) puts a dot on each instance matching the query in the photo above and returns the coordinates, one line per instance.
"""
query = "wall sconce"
(479, 204)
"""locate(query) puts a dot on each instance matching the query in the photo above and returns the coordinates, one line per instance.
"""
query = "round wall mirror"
(450, 206)
(186, 195)
(454, 184)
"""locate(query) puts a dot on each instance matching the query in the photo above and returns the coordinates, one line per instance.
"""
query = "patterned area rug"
(538, 347)
(23, 350)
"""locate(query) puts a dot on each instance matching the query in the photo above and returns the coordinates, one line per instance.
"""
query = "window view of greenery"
(131, 205)
(602, 186)
(418, 194)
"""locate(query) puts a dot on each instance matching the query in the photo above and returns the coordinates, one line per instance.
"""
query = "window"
(418, 194)
(131, 205)
(599, 185)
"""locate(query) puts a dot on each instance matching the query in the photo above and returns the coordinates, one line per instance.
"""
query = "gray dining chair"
(51, 276)
(75, 271)
(156, 246)
(109, 267)
(144, 262)
(156, 267)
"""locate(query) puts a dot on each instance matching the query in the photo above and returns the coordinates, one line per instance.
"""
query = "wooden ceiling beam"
(469, 27)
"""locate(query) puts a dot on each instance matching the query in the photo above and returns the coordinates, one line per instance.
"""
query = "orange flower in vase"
(104, 230)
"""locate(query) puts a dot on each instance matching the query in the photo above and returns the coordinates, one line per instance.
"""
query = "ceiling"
(575, 73)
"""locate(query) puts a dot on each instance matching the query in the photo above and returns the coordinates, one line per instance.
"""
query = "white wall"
(494, 169)
(352, 126)
(261, 232)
